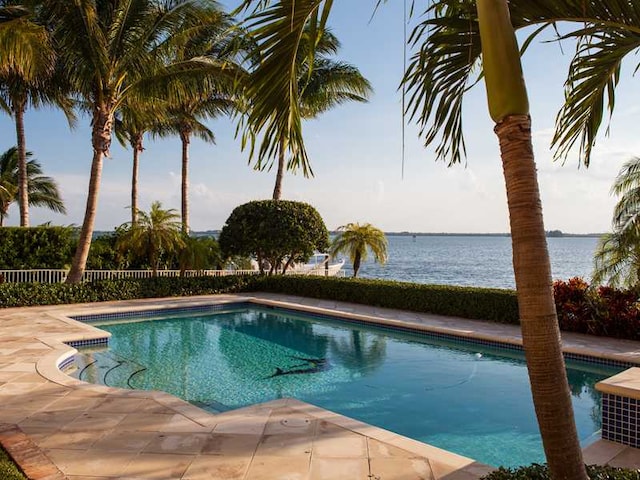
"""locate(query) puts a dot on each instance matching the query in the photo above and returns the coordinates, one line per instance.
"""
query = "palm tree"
(219, 43)
(43, 191)
(617, 257)
(322, 84)
(183, 120)
(356, 240)
(27, 79)
(154, 234)
(130, 125)
(199, 253)
(117, 50)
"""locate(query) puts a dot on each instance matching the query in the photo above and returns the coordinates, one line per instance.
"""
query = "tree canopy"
(279, 232)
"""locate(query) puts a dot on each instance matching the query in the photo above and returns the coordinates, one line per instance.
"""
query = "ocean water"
(481, 261)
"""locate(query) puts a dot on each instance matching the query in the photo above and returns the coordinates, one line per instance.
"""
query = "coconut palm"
(322, 84)
(119, 50)
(27, 78)
(130, 125)
(199, 253)
(449, 47)
(154, 234)
(617, 256)
(356, 240)
(43, 191)
(183, 121)
(219, 43)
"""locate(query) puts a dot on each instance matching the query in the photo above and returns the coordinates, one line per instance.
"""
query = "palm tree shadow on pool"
(361, 354)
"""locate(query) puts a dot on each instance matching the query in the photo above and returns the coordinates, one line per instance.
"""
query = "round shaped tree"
(276, 233)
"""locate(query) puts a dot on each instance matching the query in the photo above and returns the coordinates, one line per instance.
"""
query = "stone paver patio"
(71, 429)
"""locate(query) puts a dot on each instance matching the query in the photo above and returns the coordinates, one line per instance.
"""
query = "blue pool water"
(469, 399)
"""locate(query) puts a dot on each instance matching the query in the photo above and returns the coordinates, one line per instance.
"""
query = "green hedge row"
(541, 472)
(496, 305)
(477, 303)
(31, 294)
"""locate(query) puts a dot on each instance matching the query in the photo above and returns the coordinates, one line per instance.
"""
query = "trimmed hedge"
(602, 311)
(491, 304)
(34, 247)
(31, 294)
(541, 472)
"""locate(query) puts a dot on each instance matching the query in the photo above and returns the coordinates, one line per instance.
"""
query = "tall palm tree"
(184, 121)
(220, 43)
(43, 191)
(154, 234)
(27, 79)
(116, 50)
(130, 125)
(617, 257)
(322, 84)
(356, 240)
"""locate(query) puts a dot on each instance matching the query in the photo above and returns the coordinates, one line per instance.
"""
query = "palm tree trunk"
(101, 139)
(136, 145)
(356, 263)
(23, 181)
(540, 331)
(277, 191)
(185, 135)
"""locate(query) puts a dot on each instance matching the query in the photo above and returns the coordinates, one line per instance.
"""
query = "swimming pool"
(471, 399)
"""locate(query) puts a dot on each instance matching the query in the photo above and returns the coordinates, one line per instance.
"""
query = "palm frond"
(330, 83)
(43, 190)
(273, 88)
(590, 88)
(617, 258)
(447, 48)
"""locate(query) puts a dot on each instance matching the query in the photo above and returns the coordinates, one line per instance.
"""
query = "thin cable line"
(404, 88)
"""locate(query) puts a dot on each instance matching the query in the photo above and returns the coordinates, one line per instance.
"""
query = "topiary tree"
(276, 233)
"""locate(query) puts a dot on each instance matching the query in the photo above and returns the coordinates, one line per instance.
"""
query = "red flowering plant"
(603, 311)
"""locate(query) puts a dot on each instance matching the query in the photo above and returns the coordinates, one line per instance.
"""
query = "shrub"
(104, 255)
(541, 472)
(602, 311)
(36, 247)
(477, 303)
(278, 231)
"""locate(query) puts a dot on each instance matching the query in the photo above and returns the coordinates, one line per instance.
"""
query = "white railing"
(60, 275)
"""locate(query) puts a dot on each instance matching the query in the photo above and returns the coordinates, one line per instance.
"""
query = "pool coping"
(48, 365)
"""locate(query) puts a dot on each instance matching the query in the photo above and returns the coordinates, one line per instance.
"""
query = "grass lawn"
(8, 469)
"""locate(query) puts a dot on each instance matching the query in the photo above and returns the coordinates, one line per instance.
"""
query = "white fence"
(59, 276)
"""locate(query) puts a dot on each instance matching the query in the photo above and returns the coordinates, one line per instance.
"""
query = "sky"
(355, 152)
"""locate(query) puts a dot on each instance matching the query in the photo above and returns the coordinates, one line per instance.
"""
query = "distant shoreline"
(551, 234)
